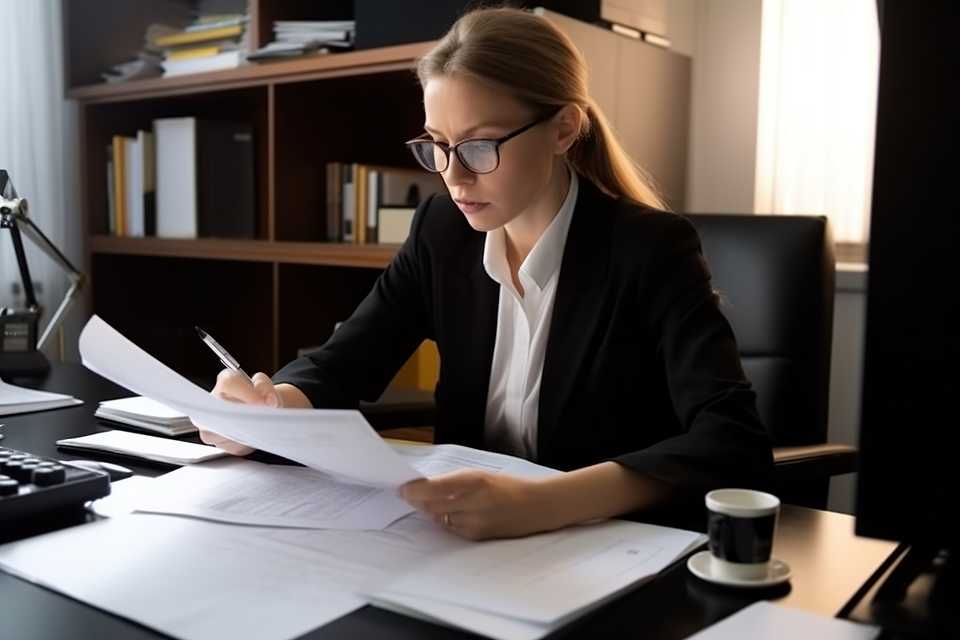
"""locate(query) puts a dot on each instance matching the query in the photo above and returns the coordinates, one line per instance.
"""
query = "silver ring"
(445, 519)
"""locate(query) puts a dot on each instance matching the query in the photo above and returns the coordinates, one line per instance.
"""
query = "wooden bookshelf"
(267, 297)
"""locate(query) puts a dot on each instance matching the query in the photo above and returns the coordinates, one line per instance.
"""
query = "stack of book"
(147, 414)
(211, 42)
(297, 38)
(372, 204)
(183, 178)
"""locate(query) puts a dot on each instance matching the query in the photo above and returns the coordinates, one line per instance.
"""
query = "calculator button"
(47, 476)
(9, 487)
(24, 473)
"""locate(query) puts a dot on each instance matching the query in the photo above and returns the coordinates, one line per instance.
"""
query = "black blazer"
(641, 366)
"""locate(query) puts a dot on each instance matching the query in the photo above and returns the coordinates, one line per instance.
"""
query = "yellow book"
(119, 185)
(195, 52)
(360, 210)
(190, 37)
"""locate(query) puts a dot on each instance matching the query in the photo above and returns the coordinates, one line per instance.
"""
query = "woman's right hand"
(235, 387)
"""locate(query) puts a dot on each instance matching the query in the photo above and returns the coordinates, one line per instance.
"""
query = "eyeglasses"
(478, 155)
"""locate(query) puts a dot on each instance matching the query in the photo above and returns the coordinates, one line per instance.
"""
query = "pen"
(228, 360)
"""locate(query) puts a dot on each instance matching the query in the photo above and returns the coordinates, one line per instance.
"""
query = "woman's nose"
(456, 173)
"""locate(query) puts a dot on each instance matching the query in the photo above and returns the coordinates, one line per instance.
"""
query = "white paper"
(143, 409)
(340, 443)
(247, 492)
(433, 460)
(548, 577)
(194, 579)
(14, 399)
(143, 446)
(124, 496)
(767, 620)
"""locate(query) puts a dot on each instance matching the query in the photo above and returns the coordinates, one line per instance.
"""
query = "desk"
(828, 561)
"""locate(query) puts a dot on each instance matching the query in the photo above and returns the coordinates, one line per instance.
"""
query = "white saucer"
(701, 566)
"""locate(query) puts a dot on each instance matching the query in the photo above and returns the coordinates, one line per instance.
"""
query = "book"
(193, 37)
(133, 187)
(119, 184)
(14, 399)
(148, 182)
(192, 52)
(205, 178)
(111, 203)
(145, 413)
(224, 60)
(176, 177)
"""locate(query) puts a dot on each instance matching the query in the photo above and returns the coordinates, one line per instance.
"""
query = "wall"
(725, 98)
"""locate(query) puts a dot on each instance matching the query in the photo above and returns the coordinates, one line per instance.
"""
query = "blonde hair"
(527, 56)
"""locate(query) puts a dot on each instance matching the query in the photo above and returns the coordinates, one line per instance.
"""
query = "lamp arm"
(37, 236)
(68, 299)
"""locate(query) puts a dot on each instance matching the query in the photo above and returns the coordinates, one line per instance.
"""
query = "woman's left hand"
(479, 505)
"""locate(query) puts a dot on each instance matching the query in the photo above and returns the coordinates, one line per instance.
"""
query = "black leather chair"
(775, 277)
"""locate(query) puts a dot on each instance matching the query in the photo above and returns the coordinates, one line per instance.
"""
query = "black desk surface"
(829, 563)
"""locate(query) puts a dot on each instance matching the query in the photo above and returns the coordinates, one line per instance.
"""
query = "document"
(139, 445)
(546, 578)
(340, 443)
(434, 460)
(14, 399)
(198, 580)
(247, 492)
(767, 620)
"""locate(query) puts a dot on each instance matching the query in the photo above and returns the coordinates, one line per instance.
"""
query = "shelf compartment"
(102, 121)
(157, 301)
(337, 120)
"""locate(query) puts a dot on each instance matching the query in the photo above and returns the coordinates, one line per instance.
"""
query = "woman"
(575, 319)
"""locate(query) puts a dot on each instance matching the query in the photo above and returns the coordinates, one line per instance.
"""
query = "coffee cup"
(740, 526)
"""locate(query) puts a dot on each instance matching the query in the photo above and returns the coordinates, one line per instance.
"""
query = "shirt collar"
(544, 259)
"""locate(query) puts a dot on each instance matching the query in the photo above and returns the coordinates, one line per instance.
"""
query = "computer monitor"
(911, 389)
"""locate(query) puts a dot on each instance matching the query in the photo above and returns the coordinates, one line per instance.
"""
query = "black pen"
(228, 360)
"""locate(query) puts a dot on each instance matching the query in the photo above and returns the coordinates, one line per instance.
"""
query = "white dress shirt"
(523, 325)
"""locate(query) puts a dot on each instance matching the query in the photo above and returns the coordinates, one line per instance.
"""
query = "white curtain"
(38, 149)
(819, 67)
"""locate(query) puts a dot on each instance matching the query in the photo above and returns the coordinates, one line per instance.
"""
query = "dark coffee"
(740, 539)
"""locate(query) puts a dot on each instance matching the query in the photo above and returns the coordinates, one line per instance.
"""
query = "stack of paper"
(137, 445)
(14, 399)
(525, 588)
(146, 414)
(305, 577)
(296, 38)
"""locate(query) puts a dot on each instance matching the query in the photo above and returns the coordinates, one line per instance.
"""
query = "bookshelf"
(263, 298)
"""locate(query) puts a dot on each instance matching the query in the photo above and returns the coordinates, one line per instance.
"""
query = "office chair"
(775, 277)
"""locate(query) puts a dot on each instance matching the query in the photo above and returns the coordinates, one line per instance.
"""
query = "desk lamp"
(19, 347)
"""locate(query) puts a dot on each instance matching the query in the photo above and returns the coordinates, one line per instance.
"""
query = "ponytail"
(599, 156)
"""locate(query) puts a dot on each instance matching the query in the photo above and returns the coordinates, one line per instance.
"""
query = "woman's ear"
(568, 121)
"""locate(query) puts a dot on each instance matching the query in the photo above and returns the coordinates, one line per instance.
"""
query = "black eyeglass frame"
(456, 147)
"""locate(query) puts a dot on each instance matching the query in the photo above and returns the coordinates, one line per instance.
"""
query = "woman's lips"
(469, 206)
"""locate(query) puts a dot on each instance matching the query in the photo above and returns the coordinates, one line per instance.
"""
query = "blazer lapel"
(577, 306)
(471, 310)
